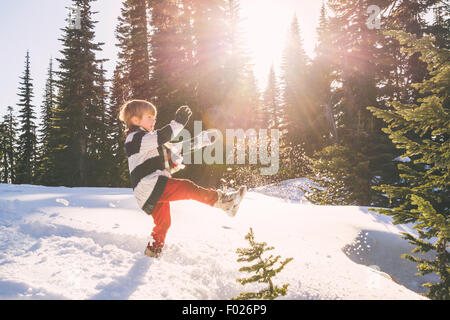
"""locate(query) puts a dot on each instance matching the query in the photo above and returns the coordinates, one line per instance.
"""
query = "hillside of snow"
(88, 243)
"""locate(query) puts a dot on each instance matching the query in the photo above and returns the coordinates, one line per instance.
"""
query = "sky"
(36, 26)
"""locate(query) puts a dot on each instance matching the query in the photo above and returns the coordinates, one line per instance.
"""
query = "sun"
(266, 24)
(265, 29)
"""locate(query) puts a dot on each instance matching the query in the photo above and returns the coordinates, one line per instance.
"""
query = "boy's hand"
(183, 114)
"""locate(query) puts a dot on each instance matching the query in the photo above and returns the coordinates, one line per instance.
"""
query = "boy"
(150, 161)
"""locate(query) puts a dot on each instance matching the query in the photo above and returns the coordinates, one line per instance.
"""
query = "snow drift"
(88, 243)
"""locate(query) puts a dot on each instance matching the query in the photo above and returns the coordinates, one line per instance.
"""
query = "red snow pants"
(176, 189)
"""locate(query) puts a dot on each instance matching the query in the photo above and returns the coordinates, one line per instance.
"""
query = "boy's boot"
(152, 252)
(229, 202)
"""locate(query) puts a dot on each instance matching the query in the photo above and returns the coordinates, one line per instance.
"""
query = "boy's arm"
(153, 140)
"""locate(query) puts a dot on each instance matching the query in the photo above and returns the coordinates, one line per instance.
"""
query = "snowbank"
(88, 243)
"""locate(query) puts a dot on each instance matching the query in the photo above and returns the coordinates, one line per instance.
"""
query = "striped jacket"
(151, 162)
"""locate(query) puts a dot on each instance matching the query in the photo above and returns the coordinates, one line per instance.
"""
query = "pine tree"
(240, 93)
(321, 78)
(97, 128)
(4, 170)
(340, 176)
(422, 131)
(350, 72)
(116, 171)
(409, 16)
(26, 162)
(134, 59)
(171, 64)
(397, 71)
(263, 270)
(440, 28)
(8, 146)
(252, 97)
(273, 116)
(77, 99)
(241, 96)
(46, 137)
(211, 45)
(223, 83)
(295, 92)
(354, 47)
(272, 113)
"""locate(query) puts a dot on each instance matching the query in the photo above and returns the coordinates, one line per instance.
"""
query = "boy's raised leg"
(184, 189)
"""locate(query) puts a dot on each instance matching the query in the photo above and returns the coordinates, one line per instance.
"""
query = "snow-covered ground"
(88, 243)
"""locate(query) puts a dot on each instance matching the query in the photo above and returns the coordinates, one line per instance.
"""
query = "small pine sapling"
(263, 270)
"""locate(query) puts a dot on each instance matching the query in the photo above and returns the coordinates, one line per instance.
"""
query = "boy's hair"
(135, 108)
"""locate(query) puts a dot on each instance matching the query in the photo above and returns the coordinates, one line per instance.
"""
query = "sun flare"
(266, 24)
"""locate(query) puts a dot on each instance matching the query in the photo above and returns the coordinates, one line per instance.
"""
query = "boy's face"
(147, 122)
